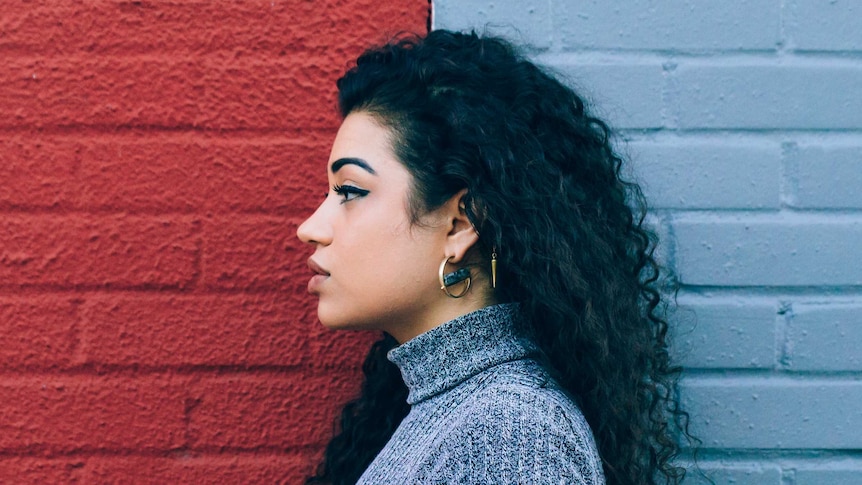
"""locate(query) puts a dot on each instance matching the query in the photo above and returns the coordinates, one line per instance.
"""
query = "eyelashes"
(349, 192)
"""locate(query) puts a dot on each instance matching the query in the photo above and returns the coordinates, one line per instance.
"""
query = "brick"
(788, 251)
(163, 26)
(27, 470)
(735, 96)
(217, 92)
(708, 174)
(273, 412)
(114, 112)
(272, 329)
(38, 332)
(825, 337)
(826, 177)
(97, 251)
(336, 348)
(160, 171)
(38, 174)
(718, 335)
(823, 26)
(200, 469)
(623, 95)
(66, 414)
(533, 26)
(736, 474)
(166, 173)
(254, 252)
(182, 330)
(240, 66)
(842, 474)
(775, 413)
(644, 24)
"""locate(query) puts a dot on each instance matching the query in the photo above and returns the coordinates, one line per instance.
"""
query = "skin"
(380, 272)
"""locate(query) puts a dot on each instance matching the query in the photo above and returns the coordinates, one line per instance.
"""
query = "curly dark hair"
(544, 188)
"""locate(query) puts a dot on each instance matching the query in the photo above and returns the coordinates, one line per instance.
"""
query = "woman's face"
(375, 270)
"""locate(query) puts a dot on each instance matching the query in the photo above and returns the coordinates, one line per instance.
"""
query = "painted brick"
(734, 474)
(40, 470)
(754, 252)
(127, 127)
(160, 171)
(825, 337)
(37, 173)
(624, 95)
(94, 251)
(39, 332)
(758, 96)
(644, 24)
(844, 474)
(335, 348)
(709, 175)
(826, 177)
(163, 26)
(775, 413)
(205, 92)
(273, 329)
(252, 412)
(714, 335)
(197, 469)
(527, 22)
(55, 414)
(246, 252)
(203, 173)
(181, 330)
(823, 26)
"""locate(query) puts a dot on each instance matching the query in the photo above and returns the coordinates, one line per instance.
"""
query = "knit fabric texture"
(483, 411)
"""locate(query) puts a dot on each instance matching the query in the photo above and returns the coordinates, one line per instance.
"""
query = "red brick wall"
(155, 159)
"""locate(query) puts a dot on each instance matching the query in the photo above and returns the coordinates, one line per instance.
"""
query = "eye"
(349, 192)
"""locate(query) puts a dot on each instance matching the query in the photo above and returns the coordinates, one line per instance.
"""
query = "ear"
(461, 235)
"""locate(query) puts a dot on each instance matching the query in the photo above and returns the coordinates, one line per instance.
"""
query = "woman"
(478, 219)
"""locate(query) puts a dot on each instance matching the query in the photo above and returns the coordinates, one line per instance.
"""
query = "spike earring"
(494, 267)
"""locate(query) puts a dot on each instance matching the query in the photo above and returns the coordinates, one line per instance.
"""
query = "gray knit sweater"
(483, 411)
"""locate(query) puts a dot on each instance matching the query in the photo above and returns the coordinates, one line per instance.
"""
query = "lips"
(319, 277)
(316, 268)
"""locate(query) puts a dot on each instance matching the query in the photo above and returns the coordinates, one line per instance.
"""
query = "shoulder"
(524, 388)
(519, 425)
(529, 407)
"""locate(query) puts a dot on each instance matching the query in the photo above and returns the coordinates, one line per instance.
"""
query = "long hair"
(544, 189)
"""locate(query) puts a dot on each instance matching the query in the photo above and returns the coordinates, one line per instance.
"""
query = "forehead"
(361, 136)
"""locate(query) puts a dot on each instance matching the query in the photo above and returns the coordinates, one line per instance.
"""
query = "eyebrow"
(336, 165)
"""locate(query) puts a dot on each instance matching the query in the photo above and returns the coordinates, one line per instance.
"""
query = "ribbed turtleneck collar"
(451, 353)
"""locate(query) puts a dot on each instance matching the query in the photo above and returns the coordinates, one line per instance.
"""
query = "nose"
(315, 229)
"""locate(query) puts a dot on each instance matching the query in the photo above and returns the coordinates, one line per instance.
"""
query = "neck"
(445, 356)
(447, 309)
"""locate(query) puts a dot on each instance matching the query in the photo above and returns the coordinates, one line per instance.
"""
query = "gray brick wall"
(743, 121)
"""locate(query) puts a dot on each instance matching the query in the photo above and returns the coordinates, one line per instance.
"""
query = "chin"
(342, 322)
(333, 325)
(334, 321)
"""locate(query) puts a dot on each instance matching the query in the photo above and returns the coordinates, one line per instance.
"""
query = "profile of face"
(374, 269)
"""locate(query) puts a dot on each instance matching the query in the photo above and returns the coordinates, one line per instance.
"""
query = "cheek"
(389, 264)
(370, 248)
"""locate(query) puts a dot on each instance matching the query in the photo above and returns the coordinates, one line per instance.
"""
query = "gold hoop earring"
(453, 278)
